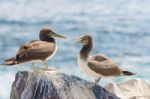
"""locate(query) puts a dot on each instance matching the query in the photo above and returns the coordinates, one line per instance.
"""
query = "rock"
(55, 85)
(132, 89)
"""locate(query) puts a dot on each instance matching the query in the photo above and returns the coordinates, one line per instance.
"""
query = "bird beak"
(58, 35)
(78, 40)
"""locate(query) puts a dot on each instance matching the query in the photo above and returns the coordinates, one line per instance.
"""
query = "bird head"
(46, 32)
(86, 39)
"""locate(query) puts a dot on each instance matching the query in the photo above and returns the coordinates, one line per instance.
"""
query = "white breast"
(83, 66)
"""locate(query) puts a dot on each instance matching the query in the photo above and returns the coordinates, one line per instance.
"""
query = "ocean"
(120, 29)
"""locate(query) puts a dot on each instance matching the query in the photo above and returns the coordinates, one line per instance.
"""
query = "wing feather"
(35, 50)
(99, 57)
(105, 68)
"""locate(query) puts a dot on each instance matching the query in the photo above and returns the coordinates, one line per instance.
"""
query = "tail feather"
(127, 73)
(10, 61)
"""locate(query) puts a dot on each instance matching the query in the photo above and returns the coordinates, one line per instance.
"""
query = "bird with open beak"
(97, 66)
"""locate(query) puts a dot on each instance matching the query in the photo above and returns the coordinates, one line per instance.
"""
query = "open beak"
(78, 40)
(58, 35)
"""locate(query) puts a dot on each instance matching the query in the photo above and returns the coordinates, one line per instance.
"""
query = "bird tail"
(10, 61)
(127, 73)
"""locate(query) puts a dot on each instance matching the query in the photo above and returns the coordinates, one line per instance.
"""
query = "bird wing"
(105, 68)
(98, 57)
(35, 50)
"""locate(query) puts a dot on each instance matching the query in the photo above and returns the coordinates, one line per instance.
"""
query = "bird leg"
(33, 67)
(97, 80)
(46, 65)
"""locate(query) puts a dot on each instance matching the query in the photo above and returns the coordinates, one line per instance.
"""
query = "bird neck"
(85, 51)
(47, 38)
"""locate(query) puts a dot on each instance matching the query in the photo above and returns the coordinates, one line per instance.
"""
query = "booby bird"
(37, 50)
(97, 66)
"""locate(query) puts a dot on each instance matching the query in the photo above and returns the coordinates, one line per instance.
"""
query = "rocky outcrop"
(55, 85)
(132, 89)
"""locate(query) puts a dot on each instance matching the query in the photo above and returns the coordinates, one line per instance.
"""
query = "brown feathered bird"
(37, 50)
(97, 66)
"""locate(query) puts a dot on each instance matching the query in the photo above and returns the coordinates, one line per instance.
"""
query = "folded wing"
(98, 57)
(104, 66)
(35, 50)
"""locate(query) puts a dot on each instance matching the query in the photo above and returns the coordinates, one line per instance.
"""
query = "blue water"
(120, 29)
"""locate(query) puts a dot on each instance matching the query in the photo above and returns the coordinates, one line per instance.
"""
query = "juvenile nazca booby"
(37, 50)
(97, 66)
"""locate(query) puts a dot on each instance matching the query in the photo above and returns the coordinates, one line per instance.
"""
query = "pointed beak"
(58, 35)
(78, 40)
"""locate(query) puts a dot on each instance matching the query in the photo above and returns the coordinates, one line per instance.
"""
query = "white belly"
(83, 66)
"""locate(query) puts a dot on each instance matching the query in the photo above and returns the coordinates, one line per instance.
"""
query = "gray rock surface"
(55, 85)
(131, 89)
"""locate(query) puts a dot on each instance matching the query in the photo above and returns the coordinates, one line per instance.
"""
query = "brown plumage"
(105, 66)
(36, 50)
(98, 65)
